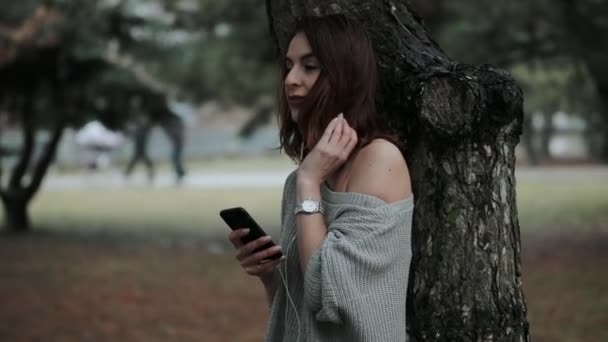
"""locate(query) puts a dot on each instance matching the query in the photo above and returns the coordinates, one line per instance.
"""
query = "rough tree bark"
(459, 126)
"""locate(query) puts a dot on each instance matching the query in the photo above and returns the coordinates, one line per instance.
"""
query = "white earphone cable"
(285, 283)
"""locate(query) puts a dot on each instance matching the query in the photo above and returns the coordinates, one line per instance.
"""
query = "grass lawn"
(151, 213)
(273, 160)
(139, 264)
(554, 207)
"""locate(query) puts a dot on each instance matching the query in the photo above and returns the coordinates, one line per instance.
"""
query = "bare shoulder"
(380, 170)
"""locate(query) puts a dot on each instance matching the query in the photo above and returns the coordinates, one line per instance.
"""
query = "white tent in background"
(95, 135)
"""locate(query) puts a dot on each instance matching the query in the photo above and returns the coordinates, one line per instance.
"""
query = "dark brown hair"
(347, 84)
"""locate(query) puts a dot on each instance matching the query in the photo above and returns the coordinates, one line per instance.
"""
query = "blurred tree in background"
(553, 48)
(231, 60)
(45, 67)
(64, 62)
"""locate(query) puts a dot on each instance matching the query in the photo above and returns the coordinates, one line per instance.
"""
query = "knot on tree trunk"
(449, 106)
(476, 102)
(504, 101)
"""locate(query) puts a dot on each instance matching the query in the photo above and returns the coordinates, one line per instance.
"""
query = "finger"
(260, 269)
(337, 133)
(271, 264)
(250, 247)
(352, 142)
(236, 235)
(256, 258)
(329, 130)
(247, 249)
(346, 135)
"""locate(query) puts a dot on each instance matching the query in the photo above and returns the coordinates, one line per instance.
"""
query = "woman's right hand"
(252, 262)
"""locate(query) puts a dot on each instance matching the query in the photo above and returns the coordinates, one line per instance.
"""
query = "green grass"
(549, 207)
(149, 212)
(544, 207)
(273, 160)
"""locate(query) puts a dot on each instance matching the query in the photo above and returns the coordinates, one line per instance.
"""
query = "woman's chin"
(294, 115)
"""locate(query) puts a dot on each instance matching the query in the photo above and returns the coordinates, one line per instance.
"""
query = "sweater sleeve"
(319, 290)
(364, 256)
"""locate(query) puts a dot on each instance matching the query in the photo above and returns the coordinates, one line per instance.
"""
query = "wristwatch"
(309, 206)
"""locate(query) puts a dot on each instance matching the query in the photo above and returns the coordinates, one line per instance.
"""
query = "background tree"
(585, 22)
(58, 62)
(233, 59)
(541, 37)
(459, 125)
(36, 90)
(111, 52)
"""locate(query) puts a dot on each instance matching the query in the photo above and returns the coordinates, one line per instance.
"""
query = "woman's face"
(303, 70)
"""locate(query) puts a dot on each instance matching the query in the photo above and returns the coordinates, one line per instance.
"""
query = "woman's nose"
(292, 79)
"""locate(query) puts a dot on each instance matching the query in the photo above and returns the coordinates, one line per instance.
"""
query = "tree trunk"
(17, 196)
(602, 90)
(15, 212)
(459, 126)
(545, 135)
(584, 24)
(528, 140)
(434, 15)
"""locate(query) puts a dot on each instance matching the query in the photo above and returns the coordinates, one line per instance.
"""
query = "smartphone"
(237, 218)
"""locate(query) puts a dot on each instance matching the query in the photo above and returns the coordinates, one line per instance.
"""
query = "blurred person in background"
(141, 130)
(347, 208)
(175, 129)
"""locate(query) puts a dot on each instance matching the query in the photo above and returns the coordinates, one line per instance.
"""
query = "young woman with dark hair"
(347, 208)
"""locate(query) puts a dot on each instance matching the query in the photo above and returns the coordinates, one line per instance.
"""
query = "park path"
(207, 180)
(265, 179)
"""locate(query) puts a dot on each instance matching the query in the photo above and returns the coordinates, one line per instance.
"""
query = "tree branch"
(27, 149)
(1, 168)
(2, 152)
(273, 34)
(45, 160)
(126, 62)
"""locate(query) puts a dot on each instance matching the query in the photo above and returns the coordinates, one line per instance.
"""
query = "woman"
(347, 209)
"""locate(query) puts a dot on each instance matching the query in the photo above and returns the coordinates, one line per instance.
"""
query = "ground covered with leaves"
(73, 290)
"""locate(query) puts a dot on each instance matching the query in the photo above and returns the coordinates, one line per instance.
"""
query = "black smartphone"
(237, 218)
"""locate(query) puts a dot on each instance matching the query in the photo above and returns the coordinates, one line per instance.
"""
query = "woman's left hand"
(330, 153)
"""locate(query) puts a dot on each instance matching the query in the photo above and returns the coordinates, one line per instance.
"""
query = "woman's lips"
(295, 101)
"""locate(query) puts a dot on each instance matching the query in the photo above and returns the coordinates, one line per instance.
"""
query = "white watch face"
(309, 206)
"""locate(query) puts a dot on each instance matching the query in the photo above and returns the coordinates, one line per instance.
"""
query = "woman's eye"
(311, 67)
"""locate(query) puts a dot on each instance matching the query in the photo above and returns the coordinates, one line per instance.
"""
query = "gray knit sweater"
(355, 284)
